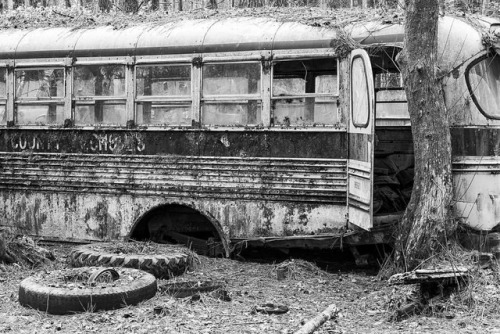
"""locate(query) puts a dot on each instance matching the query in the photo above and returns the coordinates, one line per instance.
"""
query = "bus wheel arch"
(177, 216)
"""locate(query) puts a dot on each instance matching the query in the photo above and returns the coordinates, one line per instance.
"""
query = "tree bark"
(131, 6)
(427, 222)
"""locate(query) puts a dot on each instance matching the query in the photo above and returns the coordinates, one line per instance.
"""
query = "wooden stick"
(329, 313)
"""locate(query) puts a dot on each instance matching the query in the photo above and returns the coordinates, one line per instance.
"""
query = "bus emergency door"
(361, 141)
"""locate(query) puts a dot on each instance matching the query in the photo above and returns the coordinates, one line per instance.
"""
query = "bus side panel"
(100, 183)
(85, 216)
(241, 144)
(476, 175)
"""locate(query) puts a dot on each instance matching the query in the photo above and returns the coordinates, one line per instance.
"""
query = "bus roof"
(181, 37)
(460, 38)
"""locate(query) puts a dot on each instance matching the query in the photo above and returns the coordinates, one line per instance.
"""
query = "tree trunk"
(427, 222)
(131, 6)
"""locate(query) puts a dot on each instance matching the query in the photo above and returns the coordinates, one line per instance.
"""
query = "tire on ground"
(39, 295)
(175, 261)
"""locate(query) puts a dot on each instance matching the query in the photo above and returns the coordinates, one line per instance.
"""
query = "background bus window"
(39, 96)
(232, 94)
(3, 95)
(163, 94)
(483, 80)
(99, 93)
(305, 92)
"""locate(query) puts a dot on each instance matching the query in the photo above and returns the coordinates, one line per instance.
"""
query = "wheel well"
(177, 223)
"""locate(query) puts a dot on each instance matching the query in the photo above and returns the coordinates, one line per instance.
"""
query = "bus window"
(3, 95)
(39, 96)
(232, 94)
(163, 94)
(99, 93)
(483, 81)
(359, 93)
(305, 92)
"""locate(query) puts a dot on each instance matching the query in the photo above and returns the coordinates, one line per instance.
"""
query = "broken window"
(305, 92)
(3, 95)
(99, 93)
(163, 94)
(390, 95)
(232, 94)
(483, 80)
(39, 96)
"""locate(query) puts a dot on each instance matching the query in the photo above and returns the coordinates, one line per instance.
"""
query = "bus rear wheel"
(161, 260)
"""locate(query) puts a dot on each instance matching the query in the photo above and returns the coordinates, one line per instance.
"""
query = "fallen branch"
(312, 325)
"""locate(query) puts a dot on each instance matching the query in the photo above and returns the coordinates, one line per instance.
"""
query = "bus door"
(361, 141)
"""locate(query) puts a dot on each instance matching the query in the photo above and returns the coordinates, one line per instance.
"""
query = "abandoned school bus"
(222, 130)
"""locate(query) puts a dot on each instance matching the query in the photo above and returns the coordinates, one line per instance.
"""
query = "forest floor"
(366, 303)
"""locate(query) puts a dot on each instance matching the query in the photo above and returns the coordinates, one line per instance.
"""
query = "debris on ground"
(365, 303)
(312, 325)
(23, 250)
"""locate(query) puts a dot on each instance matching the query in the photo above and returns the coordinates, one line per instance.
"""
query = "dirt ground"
(366, 304)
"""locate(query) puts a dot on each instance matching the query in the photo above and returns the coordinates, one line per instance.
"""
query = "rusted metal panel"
(244, 178)
(90, 216)
(96, 184)
(358, 149)
(477, 191)
(481, 141)
(280, 144)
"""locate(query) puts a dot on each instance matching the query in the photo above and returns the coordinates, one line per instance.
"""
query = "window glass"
(163, 80)
(484, 84)
(313, 76)
(99, 80)
(231, 79)
(40, 114)
(101, 112)
(164, 113)
(304, 92)
(3, 115)
(3, 79)
(305, 111)
(359, 93)
(241, 82)
(39, 83)
(232, 113)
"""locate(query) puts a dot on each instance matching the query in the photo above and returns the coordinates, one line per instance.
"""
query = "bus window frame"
(305, 55)
(469, 86)
(22, 101)
(230, 98)
(91, 100)
(180, 99)
(362, 125)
